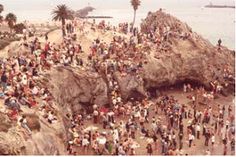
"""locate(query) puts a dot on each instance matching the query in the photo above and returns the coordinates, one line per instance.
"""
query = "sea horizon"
(211, 23)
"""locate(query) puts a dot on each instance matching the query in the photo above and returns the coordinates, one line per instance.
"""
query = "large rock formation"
(131, 86)
(183, 55)
(45, 139)
(72, 88)
(187, 56)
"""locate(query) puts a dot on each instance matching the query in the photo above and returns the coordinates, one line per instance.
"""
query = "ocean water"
(211, 23)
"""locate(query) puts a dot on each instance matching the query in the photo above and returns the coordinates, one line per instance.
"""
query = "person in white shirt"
(115, 135)
(24, 80)
(85, 144)
(51, 117)
(198, 129)
(208, 152)
(190, 138)
(185, 88)
(121, 150)
(213, 140)
(154, 126)
(118, 99)
(114, 101)
(95, 116)
(23, 122)
(35, 91)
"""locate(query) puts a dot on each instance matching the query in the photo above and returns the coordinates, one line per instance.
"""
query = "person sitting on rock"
(23, 124)
(4, 80)
(51, 117)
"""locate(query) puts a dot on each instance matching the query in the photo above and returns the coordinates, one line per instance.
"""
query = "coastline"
(219, 6)
(142, 72)
(97, 17)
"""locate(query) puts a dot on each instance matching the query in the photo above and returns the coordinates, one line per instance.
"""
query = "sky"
(11, 5)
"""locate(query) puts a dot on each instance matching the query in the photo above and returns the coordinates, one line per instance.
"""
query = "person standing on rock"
(46, 37)
(4, 81)
(219, 42)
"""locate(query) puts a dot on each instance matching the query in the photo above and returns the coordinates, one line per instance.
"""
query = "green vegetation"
(62, 13)
(11, 20)
(18, 28)
(1, 10)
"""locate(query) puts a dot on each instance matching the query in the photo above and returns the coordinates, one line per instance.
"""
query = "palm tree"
(11, 20)
(62, 13)
(135, 4)
(1, 8)
(1, 19)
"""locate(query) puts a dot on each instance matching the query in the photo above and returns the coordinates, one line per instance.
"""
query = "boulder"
(74, 87)
(131, 86)
(191, 58)
(5, 123)
(45, 138)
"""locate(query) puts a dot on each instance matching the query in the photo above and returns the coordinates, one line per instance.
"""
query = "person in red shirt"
(32, 102)
(13, 114)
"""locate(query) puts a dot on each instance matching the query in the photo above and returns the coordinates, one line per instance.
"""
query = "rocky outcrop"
(45, 138)
(72, 88)
(131, 86)
(187, 56)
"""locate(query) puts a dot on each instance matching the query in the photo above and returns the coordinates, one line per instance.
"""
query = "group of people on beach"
(164, 134)
(163, 124)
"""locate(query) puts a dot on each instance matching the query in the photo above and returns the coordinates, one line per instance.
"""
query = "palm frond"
(135, 4)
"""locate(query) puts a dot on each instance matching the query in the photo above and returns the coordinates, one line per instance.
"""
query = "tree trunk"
(133, 20)
(63, 27)
(10, 24)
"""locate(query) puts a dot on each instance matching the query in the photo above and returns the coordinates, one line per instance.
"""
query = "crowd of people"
(164, 134)
(163, 124)
(6, 35)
